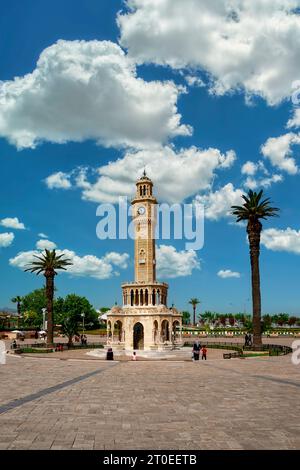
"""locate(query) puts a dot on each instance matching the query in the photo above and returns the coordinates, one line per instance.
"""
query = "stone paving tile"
(153, 405)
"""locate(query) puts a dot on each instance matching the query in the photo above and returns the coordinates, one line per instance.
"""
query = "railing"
(274, 349)
(65, 346)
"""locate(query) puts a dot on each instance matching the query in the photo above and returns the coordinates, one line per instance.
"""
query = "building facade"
(144, 321)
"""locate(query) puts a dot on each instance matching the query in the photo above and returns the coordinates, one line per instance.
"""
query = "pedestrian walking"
(204, 353)
(196, 350)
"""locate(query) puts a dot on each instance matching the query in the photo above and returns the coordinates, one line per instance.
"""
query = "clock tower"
(144, 321)
(144, 217)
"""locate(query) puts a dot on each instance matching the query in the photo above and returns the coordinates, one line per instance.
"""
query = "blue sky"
(182, 114)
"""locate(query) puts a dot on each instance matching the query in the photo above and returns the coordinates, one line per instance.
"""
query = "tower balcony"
(145, 294)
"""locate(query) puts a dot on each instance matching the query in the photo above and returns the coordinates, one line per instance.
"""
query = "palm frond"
(48, 261)
(254, 207)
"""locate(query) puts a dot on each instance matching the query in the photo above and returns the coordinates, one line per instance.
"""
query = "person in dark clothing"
(109, 355)
(196, 350)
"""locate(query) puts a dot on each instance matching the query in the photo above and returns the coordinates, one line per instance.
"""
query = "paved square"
(48, 403)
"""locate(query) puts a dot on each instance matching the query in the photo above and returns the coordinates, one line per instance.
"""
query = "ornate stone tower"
(144, 214)
(144, 321)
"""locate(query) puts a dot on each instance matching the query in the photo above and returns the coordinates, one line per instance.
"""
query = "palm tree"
(194, 303)
(252, 210)
(18, 300)
(48, 262)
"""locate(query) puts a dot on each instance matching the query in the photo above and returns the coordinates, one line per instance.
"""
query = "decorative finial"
(144, 174)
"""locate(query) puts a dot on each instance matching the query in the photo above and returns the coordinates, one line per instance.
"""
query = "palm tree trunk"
(49, 295)
(254, 230)
(194, 315)
(19, 314)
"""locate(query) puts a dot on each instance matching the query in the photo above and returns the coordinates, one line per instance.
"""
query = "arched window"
(144, 190)
(146, 297)
(141, 190)
(158, 297)
(136, 297)
(153, 297)
(131, 297)
(141, 297)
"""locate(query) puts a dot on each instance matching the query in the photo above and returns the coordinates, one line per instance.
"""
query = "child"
(204, 352)
(133, 358)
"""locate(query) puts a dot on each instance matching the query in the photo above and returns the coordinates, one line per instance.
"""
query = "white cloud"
(6, 239)
(88, 90)
(45, 245)
(254, 183)
(42, 235)
(218, 204)
(12, 222)
(279, 151)
(194, 81)
(227, 273)
(176, 174)
(249, 168)
(83, 266)
(254, 45)
(281, 240)
(59, 180)
(295, 121)
(172, 263)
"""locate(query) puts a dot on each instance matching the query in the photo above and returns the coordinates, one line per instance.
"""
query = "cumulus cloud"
(281, 240)
(58, 180)
(278, 150)
(88, 90)
(172, 263)
(218, 204)
(83, 266)
(177, 174)
(227, 273)
(255, 183)
(6, 239)
(45, 244)
(12, 222)
(249, 168)
(254, 45)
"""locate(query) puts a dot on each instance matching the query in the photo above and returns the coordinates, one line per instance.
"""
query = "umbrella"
(18, 331)
(103, 317)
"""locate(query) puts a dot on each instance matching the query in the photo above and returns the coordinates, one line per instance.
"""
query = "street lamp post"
(83, 316)
(44, 318)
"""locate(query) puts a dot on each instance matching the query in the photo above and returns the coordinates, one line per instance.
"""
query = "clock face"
(141, 210)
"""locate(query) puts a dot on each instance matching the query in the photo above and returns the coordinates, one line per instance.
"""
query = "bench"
(231, 355)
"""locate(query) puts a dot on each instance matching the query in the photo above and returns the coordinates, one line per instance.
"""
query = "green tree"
(35, 301)
(31, 319)
(254, 209)
(186, 318)
(283, 318)
(104, 309)
(48, 263)
(18, 300)
(292, 321)
(194, 302)
(69, 328)
(267, 322)
(73, 306)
